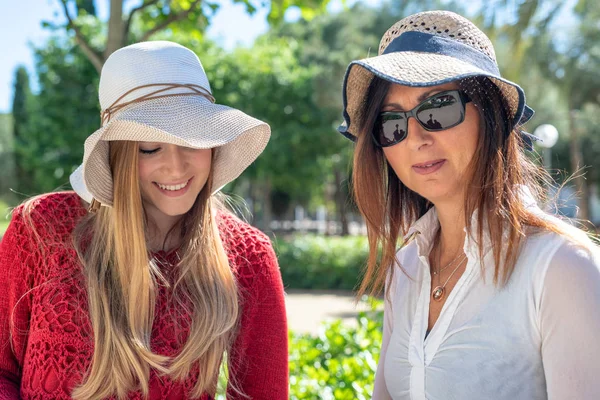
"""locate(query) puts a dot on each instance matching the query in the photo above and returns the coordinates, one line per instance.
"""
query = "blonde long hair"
(122, 288)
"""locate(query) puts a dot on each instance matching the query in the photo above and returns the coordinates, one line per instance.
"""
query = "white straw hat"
(428, 49)
(158, 92)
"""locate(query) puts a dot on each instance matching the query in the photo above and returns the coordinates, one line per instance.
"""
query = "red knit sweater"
(46, 341)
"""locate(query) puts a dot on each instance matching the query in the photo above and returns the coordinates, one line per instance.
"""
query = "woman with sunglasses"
(488, 296)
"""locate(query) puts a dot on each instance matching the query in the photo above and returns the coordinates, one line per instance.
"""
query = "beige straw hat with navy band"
(428, 49)
(158, 92)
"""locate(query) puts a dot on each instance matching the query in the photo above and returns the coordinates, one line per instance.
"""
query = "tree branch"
(146, 4)
(92, 55)
(172, 18)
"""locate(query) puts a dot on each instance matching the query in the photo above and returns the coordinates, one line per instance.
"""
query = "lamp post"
(548, 135)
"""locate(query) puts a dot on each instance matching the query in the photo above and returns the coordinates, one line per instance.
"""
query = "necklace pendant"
(438, 293)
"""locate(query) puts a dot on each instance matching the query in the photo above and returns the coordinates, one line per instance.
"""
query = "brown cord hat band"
(94, 205)
(196, 90)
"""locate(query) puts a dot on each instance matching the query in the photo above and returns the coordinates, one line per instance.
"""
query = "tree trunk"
(116, 33)
(576, 164)
(340, 202)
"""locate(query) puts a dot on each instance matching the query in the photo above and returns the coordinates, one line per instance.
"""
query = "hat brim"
(415, 69)
(238, 139)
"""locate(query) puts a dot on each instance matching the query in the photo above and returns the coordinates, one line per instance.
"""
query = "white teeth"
(172, 187)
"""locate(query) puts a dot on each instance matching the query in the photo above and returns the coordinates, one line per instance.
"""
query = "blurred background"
(283, 62)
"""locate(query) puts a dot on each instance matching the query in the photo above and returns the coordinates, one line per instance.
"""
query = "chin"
(437, 195)
(176, 213)
(176, 210)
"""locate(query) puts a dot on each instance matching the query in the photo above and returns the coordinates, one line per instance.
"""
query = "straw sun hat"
(158, 92)
(428, 49)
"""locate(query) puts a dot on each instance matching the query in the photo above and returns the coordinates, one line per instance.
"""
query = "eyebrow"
(420, 99)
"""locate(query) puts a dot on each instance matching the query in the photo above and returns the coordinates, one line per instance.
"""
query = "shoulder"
(248, 249)
(560, 264)
(557, 250)
(50, 214)
(241, 237)
(40, 229)
(570, 295)
(574, 262)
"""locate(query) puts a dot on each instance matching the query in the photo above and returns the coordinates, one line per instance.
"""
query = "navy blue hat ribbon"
(428, 43)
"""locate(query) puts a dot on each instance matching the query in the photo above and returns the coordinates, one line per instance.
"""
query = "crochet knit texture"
(46, 339)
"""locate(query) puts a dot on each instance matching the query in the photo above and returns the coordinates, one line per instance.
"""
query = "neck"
(452, 224)
(163, 233)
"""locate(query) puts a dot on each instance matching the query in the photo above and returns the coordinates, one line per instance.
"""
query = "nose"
(175, 161)
(417, 136)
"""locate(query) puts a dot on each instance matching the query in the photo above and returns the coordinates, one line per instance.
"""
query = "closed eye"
(149, 151)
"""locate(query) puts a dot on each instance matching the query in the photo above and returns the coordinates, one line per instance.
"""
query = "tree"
(563, 63)
(7, 162)
(21, 113)
(154, 16)
(267, 82)
(572, 64)
(62, 114)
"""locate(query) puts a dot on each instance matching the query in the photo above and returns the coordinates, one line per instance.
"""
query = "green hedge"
(337, 364)
(340, 362)
(5, 216)
(321, 262)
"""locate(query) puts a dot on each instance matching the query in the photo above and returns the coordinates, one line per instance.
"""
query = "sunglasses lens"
(393, 129)
(441, 112)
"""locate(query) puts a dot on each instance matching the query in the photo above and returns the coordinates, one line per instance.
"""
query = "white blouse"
(536, 338)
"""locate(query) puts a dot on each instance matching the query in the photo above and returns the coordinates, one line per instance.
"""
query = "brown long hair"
(122, 286)
(499, 168)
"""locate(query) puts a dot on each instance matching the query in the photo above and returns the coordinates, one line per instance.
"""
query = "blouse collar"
(424, 229)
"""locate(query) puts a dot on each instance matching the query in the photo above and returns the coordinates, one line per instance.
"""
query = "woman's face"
(171, 177)
(432, 164)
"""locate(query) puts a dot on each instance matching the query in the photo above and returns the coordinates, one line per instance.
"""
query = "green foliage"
(7, 161)
(64, 113)
(86, 6)
(5, 210)
(340, 362)
(21, 111)
(321, 262)
(268, 82)
(21, 97)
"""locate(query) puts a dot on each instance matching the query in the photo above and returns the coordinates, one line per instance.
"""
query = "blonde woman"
(489, 297)
(139, 284)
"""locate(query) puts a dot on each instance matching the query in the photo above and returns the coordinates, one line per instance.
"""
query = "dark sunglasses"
(441, 111)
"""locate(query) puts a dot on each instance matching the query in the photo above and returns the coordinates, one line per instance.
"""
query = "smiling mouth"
(173, 188)
(428, 165)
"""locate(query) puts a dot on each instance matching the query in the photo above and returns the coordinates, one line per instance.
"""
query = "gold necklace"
(438, 250)
(440, 270)
(440, 291)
